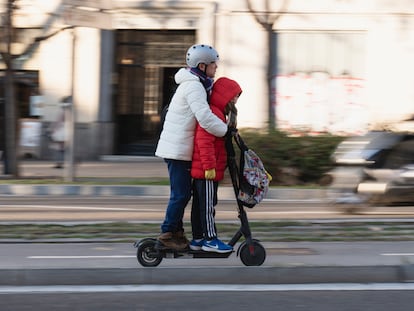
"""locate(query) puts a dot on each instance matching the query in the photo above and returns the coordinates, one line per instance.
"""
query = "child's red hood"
(224, 90)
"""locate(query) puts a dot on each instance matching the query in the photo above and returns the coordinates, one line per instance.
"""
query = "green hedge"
(291, 160)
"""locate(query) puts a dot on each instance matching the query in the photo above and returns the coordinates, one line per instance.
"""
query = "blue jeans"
(180, 193)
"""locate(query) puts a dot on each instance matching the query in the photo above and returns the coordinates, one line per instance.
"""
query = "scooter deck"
(172, 253)
(204, 254)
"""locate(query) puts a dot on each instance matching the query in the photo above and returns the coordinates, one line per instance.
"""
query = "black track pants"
(203, 211)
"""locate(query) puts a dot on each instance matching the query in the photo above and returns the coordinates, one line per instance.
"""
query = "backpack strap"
(240, 142)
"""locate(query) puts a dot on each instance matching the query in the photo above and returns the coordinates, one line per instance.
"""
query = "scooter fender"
(137, 243)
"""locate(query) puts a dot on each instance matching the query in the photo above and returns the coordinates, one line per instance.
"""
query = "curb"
(224, 193)
(83, 190)
(208, 275)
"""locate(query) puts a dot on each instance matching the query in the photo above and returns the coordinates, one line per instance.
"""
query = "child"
(208, 166)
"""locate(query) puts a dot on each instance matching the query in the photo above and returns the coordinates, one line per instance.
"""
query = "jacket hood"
(184, 75)
(224, 90)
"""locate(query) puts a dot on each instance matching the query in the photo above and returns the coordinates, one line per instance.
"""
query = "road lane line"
(81, 257)
(294, 212)
(76, 207)
(397, 254)
(206, 288)
(152, 209)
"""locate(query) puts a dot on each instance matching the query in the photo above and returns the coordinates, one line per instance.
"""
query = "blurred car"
(376, 168)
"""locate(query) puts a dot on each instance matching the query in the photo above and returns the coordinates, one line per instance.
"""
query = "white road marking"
(68, 207)
(204, 288)
(81, 257)
(76, 207)
(280, 212)
(398, 254)
(387, 213)
(295, 212)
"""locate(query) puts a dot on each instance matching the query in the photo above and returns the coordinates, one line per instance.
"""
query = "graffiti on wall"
(319, 103)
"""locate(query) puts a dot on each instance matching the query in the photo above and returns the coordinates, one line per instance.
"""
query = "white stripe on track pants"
(203, 211)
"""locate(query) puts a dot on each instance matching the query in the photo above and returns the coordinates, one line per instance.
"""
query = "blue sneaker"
(216, 245)
(196, 245)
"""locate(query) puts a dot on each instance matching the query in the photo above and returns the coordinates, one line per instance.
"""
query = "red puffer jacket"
(209, 150)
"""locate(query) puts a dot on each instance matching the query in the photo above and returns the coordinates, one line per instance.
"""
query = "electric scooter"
(150, 252)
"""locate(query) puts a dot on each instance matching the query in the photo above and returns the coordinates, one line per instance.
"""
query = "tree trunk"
(267, 19)
(10, 155)
(10, 124)
(271, 77)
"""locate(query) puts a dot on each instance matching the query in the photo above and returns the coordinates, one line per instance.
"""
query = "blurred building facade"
(342, 66)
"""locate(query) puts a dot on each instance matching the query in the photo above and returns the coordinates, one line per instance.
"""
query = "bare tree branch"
(34, 45)
(31, 47)
(45, 29)
(267, 18)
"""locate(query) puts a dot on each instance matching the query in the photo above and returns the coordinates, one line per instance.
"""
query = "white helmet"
(201, 54)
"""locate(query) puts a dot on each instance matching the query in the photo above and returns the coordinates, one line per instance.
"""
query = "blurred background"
(322, 67)
(327, 104)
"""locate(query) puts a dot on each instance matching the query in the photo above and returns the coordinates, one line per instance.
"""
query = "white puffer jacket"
(188, 104)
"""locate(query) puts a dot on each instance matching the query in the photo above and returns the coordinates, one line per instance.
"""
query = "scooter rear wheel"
(147, 255)
(253, 254)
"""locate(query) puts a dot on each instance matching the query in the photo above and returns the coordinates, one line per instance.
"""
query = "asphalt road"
(337, 297)
(278, 254)
(127, 208)
(115, 264)
(93, 264)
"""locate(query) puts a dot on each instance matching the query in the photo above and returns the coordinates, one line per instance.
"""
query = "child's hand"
(210, 174)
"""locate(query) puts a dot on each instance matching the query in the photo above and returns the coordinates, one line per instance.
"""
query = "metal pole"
(70, 119)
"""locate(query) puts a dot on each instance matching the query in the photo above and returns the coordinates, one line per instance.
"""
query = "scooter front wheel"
(253, 254)
(147, 255)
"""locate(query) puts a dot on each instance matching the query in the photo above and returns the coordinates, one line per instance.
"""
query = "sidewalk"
(113, 169)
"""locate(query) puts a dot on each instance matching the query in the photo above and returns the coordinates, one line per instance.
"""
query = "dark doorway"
(169, 85)
(146, 63)
(26, 83)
